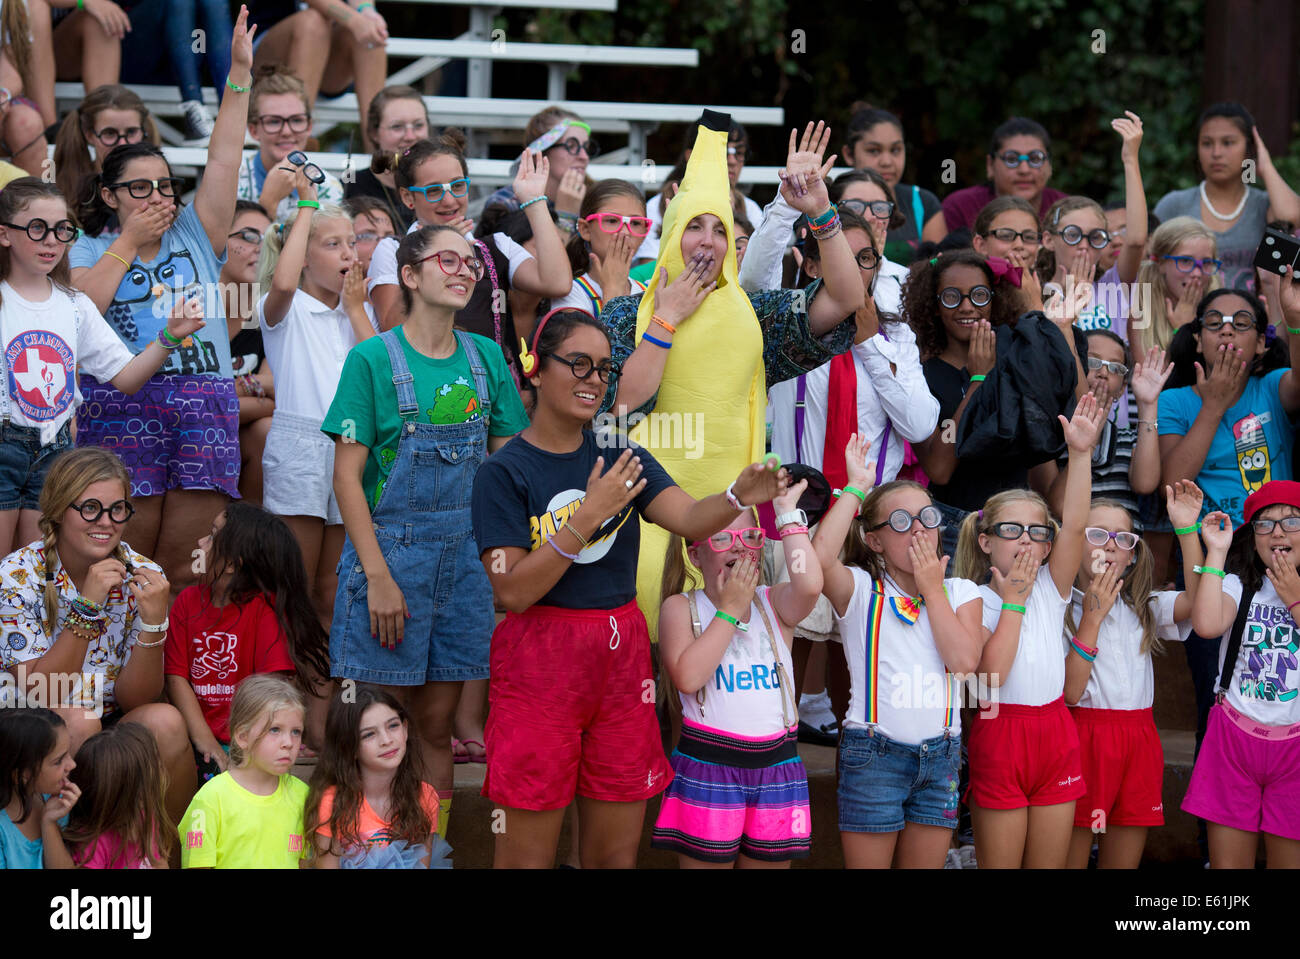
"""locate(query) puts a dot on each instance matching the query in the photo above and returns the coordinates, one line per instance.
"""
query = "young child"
(35, 792)
(312, 316)
(372, 221)
(1247, 775)
(739, 795)
(252, 614)
(1109, 680)
(909, 633)
(611, 223)
(1025, 771)
(1180, 266)
(368, 806)
(250, 816)
(119, 821)
(47, 331)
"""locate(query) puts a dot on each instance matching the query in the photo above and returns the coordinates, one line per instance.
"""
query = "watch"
(797, 516)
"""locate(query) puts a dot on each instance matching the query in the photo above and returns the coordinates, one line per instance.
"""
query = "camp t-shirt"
(1252, 442)
(365, 403)
(524, 495)
(228, 827)
(184, 268)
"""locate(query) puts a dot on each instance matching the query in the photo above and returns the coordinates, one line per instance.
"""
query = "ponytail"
(72, 163)
(403, 165)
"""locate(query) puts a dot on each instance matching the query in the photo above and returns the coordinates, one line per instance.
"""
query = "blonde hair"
(258, 698)
(972, 562)
(1168, 237)
(1137, 586)
(273, 242)
(69, 477)
(271, 80)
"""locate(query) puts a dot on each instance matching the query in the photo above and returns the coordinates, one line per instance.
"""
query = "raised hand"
(102, 578)
(60, 803)
(1288, 298)
(1183, 501)
(530, 181)
(1016, 585)
(855, 462)
(462, 225)
(788, 500)
(354, 289)
(1129, 127)
(758, 484)
(1227, 377)
(1031, 291)
(152, 592)
(1216, 531)
(1084, 427)
(803, 181)
(145, 225)
(608, 494)
(1101, 594)
(1149, 376)
(241, 47)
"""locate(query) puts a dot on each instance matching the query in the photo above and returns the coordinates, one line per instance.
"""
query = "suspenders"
(787, 685)
(404, 381)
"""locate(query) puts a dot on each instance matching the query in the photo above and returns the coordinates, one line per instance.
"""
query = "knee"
(22, 125)
(81, 726)
(168, 728)
(312, 28)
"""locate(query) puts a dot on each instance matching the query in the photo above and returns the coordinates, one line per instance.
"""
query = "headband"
(552, 136)
(528, 358)
(1274, 493)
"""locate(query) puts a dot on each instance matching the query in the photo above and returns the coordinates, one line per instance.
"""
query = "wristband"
(1090, 650)
(728, 618)
(537, 199)
(856, 492)
(1293, 332)
(1012, 607)
(664, 323)
(576, 535)
(81, 4)
(572, 557)
(167, 341)
(170, 339)
(660, 343)
(157, 642)
(979, 378)
(308, 204)
(785, 531)
(118, 258)
(824, 218)
(731, 497)
(1293, 605)
(160, 628)
(1084, 652)
(236, 87)
(1184, 530)
(1209, 569)
(362, 6)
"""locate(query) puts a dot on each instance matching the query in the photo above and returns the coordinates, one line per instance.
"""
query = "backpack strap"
(783, 676)
(1234, 645)
(696, 629)
(800, 402)
(480, 374)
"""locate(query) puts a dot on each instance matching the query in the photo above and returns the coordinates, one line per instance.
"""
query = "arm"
(1097, 602)
(288, 268)
(186, 318)
(215, 200)
(140, 681)
(1184, 504)
(936, 228)
(549, 274)
(1148, 380)
(1129, 127)
(366, 28)
(795, 599)
(181, 695)
(837, 580)
(678, 512)
(1081, 435)
(763, 258)
(1212, 610)
(54, 852)
(387, 301)
(353, 301)
(1283, 203)
(1002, 644)
(384, 598)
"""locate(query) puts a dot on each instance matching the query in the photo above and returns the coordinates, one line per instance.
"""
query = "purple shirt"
(962, 207)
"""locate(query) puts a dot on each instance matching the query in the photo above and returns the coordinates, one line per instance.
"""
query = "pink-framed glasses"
(752, 538)
(613, 222)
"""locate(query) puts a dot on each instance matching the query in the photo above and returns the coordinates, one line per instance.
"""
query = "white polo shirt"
(1037, 674)
(1122, 677)
(383, 261)
(907, 685)
(1266, 677)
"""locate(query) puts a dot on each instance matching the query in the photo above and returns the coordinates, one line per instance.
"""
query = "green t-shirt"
(365, 404)
(644, 271)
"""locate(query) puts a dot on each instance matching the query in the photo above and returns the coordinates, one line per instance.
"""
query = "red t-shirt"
(962, 207)
(215, 647)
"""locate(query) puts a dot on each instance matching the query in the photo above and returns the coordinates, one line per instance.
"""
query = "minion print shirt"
(1251, 446)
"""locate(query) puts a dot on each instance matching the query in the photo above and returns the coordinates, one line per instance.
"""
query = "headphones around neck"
(528, 358)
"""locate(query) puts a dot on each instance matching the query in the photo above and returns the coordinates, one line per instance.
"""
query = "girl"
(1025, 770)
(572, 607)
(1019, 163)
(48, 330)
(866, 193)
(119, 821)
(900, 756)
(1074, 235)
(315, 312)
(108, 116)
(252, 614)
(433, 180)
(1119, 268)
(35, 791)
(739, 795)
(1008, 228)
(1181, 265)
(1113, 626)
(565, 140)
(405, 457)
(397, 118)
(1247, 775)
(279, 119)
(367, 802)
(163, 254)
(372, 222)
(1226, 140)
(611, 221)
(80, 602)
(875, 142)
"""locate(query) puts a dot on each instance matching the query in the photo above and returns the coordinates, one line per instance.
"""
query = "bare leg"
(365, 69)
(252, 443)
(1047, 838)
(922, 847)
(187, 516)
(433, 707)
(8, 530)
(301, 40)
(143, 526)
(1080, 848)
(837, 679)
(79, 40)
(1231, 848)
(686, 862)
(868, 850)
(326, 582)
(40, 88)
(611, 833)
(999, 836)
(1122, 847)
(527, 839)
(470, 715)
(81, 724)
(1282, 853)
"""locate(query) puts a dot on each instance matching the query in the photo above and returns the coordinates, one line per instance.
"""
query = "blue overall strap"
(403, 381)
(480, 375)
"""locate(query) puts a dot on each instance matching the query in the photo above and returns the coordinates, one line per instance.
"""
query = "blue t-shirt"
(16, 850)
(524, 495)
(1251, 446)
(184, 268)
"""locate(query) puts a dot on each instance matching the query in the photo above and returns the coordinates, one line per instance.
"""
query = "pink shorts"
(572, 709)
(1024, 756)
(1245, 781)
(1123, 768)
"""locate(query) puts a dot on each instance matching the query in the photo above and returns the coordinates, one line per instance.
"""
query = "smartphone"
(1278, 253)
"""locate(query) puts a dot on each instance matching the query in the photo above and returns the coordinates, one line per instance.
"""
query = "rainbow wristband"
(728, 618)
(1014, 608)
(1209, 569)
(1184, 530)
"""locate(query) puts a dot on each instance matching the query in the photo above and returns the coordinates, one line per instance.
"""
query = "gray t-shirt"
(1236, 246)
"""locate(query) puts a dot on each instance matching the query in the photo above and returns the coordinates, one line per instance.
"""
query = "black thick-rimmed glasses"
(310, 170)
(65, 231)
(1290, 524)
(1039, 534)
(143, 189)
(92, 509)
(1007, 235)
(573, 146)
(298, 123)
(582, 365)
(111, 136)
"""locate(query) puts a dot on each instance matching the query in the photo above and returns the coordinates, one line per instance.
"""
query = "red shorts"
(572, 710)
(1024, 756)
(1123, 767)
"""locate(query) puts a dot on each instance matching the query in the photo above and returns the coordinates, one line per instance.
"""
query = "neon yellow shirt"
(228, 827)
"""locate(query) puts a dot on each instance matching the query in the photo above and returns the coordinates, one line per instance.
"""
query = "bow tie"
(906, 608)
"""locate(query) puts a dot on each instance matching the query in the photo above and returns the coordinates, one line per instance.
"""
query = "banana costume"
(714, 374)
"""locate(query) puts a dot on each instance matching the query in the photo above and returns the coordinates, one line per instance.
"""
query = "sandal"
(459, 753)
(479, 757)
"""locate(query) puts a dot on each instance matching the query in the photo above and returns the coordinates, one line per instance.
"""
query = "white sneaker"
(953, 861)
(966, 856)
(198, 123)
(815, 710)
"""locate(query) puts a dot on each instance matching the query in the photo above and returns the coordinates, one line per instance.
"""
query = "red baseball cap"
(1273, 493)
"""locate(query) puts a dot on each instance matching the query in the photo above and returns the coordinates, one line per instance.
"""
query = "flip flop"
(456, 754)
(475, 758)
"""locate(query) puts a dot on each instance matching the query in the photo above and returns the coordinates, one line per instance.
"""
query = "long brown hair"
(72, 161)
(972, 562)
(122, 782)
(15, 198)
(1137, 587)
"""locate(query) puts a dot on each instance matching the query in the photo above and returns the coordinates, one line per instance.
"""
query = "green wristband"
(979, 378)
(856, 492)
(1184, 530)
(362, 6)
(728, 618)
(1014, 608)
(1292, 331)
(1209, 569)
(308, 204)
(170, 339)
(236, 87)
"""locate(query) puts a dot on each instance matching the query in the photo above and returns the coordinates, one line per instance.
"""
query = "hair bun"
(454, 137)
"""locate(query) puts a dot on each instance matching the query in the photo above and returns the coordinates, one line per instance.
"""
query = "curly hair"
(921, 299)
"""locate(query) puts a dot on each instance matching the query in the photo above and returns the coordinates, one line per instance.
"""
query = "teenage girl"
(1180, 266)
(119, 821)
(909, 634)
(1113, 626)
(1008, 228)
(611, 222)
(1025, 771)
(312, 316)
(367, 803)
(739, 795)
(108, 116)
(558, 536)
(397, 118)
(35, 791)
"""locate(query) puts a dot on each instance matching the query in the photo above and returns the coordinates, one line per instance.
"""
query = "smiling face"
(1002, 552)
(123, 122)
(442, 168)
(36, 257)
(562, 161)
(706, 232)
(1249, 342)
(600, 240)
(401, 124)
(141, 168)
(82, 543)
(54, 771)
(1106, 350)
(272, 745)
(710, 564)
(1024, 181)
(331, 251)
(1112, 520)
(373, 227)
(892, 544)
(1017, 220)
(382, 739)
(881, 149)
(1278, 543)
(276, 146)
(869, 193)
(243, 257)
(1200, 247)
(1221, 149)
(960, 321)
(434, 285)
(1086, 219)
(559, 389)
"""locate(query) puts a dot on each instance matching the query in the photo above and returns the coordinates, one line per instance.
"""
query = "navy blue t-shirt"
(524, 495)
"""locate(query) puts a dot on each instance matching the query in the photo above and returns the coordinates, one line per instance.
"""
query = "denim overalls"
(422, 522)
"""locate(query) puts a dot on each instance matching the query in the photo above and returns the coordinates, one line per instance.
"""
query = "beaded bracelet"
(657, 342)
(785, 531)
(979, 377)
(1012, 607)
(1209, 569)
(728, 618)
(572, 557)
(537, 199)
(88, 606)
(1184, 530)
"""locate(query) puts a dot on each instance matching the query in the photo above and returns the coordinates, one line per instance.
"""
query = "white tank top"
(743, 696)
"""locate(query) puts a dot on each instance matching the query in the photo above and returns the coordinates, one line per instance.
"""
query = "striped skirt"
(734, 795)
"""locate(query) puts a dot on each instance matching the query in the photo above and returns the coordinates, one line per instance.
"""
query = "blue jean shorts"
(885, 784)
(24, 463)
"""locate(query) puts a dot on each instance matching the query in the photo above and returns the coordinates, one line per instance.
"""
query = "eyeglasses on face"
(111, 136)
(900, 520)
(1073, 235)
(613, 222)
(1241, 321)
(1185, 264)
(247, 235)
(418, 127)
(92, 509)
(738, 151)
(65, 231)
(951, 297)
(573, 146)
(1039, 534)
(582, 365)
(880, 209)
(1290, 524)
(1007, 235)
(143, 189)
(1119, 369)
(368, 237)
(867, 258)
(449, 261)
(1011, 159)
(433, 192)
(751, 538)
(310, 170)
(1123, 538)
(298, 123)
